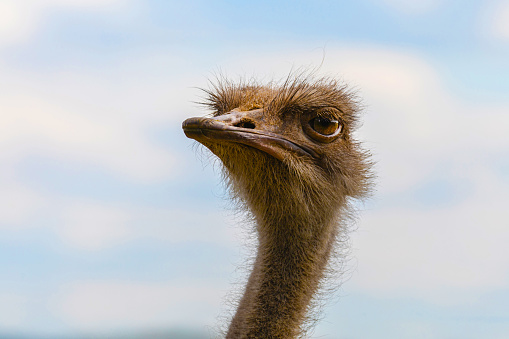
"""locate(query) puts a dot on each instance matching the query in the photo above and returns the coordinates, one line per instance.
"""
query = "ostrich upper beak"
(243, 127)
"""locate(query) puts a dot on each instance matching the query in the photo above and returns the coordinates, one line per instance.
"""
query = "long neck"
(292, 254)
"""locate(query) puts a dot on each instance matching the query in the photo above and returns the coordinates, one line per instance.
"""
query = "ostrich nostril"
(245, 124)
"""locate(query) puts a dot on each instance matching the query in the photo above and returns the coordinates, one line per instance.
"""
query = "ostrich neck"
(292, 255)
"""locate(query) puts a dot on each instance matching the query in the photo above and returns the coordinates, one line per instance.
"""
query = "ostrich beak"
(247, 128)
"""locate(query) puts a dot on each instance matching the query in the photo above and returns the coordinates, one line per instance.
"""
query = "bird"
(289, 158)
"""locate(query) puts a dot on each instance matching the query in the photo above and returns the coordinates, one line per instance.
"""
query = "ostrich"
(289, 158)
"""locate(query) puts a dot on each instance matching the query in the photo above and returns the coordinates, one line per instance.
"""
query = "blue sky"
(113, 222)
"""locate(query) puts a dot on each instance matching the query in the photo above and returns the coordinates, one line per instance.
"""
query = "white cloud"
(430, 253)
(18, 203)
(412, 7)
(87, 225)
(93, 226)
(88, 133)
(111, 305)
(194, 224)
(15, 23)
(21, 19)
(416, 329)
(496, 20)
(13, 312)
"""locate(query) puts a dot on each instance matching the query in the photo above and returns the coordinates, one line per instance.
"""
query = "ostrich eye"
(325, 125)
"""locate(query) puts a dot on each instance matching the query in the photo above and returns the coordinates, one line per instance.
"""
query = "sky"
(113, 222)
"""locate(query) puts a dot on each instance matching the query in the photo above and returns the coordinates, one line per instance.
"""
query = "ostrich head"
(290, 158)
(285, 147)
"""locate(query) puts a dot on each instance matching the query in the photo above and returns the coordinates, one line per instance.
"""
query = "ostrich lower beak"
(235, 128)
